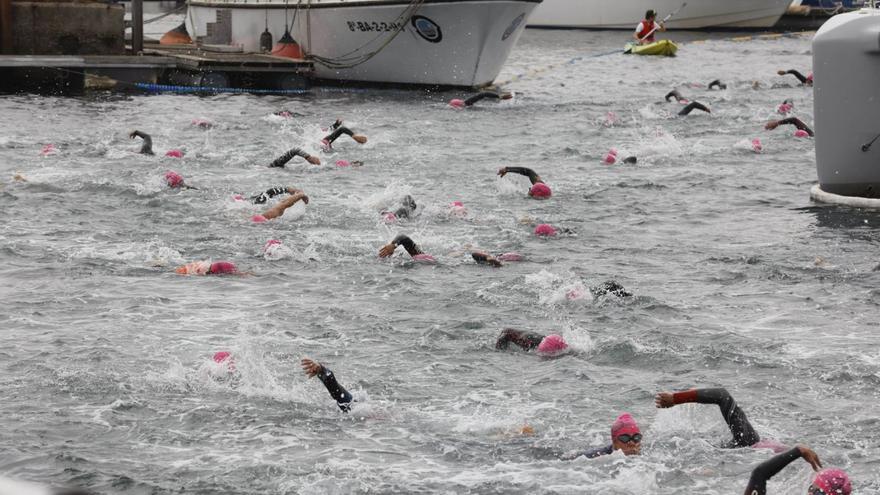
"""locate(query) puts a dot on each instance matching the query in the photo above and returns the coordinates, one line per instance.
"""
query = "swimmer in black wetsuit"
(340, 395)
(147, 146)
(625, 436)
(538, 190)
(744, 435)
(407, 208)
(675, 94)
(826, 482)
(694, 105)
(401, 240)
(807, 81)
(718, 83)
(337, 130)
(773, 124)
(266, 195)
(283, 159)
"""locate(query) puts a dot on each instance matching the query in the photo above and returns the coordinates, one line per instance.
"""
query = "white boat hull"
(626, 14)
(446, 42)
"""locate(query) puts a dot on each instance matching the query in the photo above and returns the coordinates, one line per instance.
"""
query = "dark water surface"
(740, 281)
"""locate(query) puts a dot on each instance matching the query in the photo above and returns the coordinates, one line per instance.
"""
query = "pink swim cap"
(510, 257)
(624, 425)
(456, 103)
(757, 147)
(545, 230)
(272, 242)
(425, 258)
(389, 217)
(259, 218)
(457, 203)
(773, 445)
(610, 159)
(784, 108)
(174, 153)
(833, 482)
(221, 356)
(552, 344)
(173, 179)
(49, 149)
(540, 190)
(222, 268)
(800, 133)
(204, 124)
(325, 144)
(343, 163)
(810, 77)
(575, 294)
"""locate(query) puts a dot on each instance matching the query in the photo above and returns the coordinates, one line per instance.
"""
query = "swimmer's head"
(610, 158)
(540, 191)
(343, 163)
(457, 204)
(221, 356)
(259, 218)
(270, 244)
(832, 482)
(510, 257)
(625, 435)
(389, 217)
(757, 147)
(174, 153)
(237, 197)
(800, 133)
(173, 179)
(222, 268)
(810, 78)
(456, 103)
(545, 230)
(552, 344)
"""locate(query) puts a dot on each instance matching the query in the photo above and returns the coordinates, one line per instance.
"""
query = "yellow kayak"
(662, 47)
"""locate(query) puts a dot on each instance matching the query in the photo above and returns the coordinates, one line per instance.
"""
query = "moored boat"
(625, 14)
(424, 42)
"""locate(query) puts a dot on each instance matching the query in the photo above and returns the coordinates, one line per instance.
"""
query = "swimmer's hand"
(293, 190)
(359, 138)
(314, 160)
(781, 72)
(502, 171)
(303, 197)
(663, 400)
(311, 368)
(810, 457)
(773, 124)
(506, 96)
(387, 250)
(133, 134)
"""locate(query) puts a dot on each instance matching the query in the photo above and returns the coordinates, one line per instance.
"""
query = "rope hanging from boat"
(352, 58)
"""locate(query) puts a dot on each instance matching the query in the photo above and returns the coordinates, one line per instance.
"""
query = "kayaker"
(645, 30)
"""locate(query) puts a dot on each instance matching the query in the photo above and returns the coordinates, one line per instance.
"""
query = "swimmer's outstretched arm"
(694, 105)
(278, 210)
(717, 82)
(487, 94)
(767, 469)
(484, 258)
(533, 177)
(340, 130)
(527, 341)
(283, 159)
(340, 395)
(744, 435)
(674, 94)
(800, 77)
(147, 146)
(589, 453)
(773, 124)
(401, 240)
(271, 193)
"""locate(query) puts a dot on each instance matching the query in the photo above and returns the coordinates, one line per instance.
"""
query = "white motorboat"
(424, 42)
(626, 14)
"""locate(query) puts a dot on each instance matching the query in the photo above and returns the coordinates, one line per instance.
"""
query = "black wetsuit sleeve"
(147, 146)
(694, 105)
(269, 193)
(674, 94)
(717, 82)
(283, 159)
(797, 123)
(338, 132)
(533, 177)
(527, 341)
(407, 243)
(767, 469)
(744, 435)
(340, 395)
(800, 77)
(590, 453)
(479, 96)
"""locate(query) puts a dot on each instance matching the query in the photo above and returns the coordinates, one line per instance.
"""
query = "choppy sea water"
(739, 280)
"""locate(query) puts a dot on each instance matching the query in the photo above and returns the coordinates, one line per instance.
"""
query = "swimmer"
(340, 395)
(625, 436)
(785, 107)
(278, 210)
(283, 159)
(826, 482)
(773, 124)
(480, 96)
(675, 94)
(807, 81)
(407, 208)
(408, 244)
(538, 190)
(208, 268)
(544, 344)
(694, 105)
(744, 435)
(147, 146)
(266, 195)
(338, 130)
(175, 181)
(718, 83)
